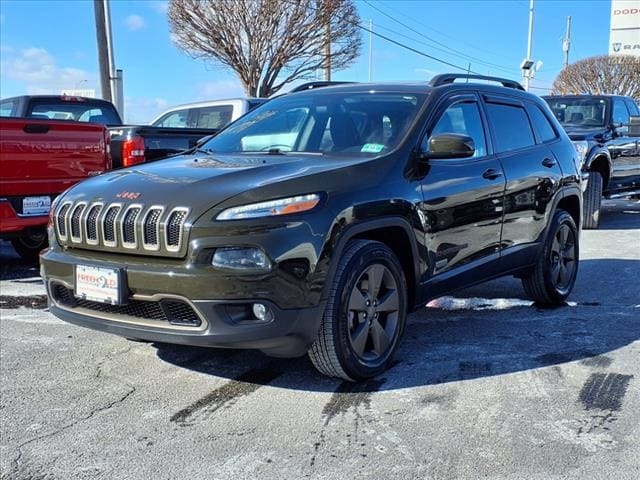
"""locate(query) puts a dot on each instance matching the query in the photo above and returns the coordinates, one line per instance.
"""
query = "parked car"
(317, 221)
(39, 159)
(606, 131)
(208, 114)
(130, 144)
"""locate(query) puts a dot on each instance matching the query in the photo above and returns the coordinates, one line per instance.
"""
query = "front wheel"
(365, 314)
(554, 274)
(29, 246)
(592, 201)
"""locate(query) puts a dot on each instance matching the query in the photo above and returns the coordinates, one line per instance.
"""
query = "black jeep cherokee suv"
(316, 222)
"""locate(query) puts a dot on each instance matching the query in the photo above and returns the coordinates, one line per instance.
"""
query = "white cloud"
(39, 73)
(134, 22)
(159, 6)
(220, 89)
(143, 110)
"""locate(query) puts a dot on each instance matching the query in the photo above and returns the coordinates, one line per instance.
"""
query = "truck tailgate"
(48, 156)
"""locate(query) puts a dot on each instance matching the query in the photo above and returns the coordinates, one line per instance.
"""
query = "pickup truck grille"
(153, 230)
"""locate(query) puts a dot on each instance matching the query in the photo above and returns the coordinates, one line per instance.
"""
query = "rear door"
(532, 172)
(462, 198)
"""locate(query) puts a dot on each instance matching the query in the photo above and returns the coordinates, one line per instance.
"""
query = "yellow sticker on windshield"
(372, 148)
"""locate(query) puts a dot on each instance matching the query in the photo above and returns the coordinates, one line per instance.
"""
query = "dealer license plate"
(36, 206)
(99, 284)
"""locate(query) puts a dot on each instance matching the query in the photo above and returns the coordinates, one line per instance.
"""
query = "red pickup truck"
(38, 160)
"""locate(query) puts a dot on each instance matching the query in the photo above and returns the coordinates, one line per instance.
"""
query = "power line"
(457, 53)
(395, 42)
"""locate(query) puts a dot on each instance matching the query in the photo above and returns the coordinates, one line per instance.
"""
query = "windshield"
(587, 112)
(361, 123)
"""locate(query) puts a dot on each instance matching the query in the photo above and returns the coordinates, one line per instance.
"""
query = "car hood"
(198, 182)
(577, 132)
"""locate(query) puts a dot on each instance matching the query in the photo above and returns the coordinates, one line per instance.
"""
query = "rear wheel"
(554, 275)
(365, 314)
(592, 201)
(29, 246)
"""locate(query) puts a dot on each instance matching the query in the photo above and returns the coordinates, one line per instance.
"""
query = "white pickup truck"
(208, 114)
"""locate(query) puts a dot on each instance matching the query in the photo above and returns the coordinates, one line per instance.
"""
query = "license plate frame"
(100, 284)
(36, 206)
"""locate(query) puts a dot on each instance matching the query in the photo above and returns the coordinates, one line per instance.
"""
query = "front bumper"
(173, 301)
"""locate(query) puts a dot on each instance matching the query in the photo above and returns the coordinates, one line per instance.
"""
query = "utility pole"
(527, 65)
(103, 52)
(370, 47)
(327, 47)
(566, 45)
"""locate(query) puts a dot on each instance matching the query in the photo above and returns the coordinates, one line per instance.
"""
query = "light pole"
(527, 63)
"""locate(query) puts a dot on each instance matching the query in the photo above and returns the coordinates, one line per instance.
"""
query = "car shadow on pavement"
(13, 267)
(442, 345)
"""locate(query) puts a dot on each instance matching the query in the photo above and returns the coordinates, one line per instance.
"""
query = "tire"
(362, 324)
(554, 274)
(592, 201)
(29, 246)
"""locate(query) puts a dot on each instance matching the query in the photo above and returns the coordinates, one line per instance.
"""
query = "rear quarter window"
(511, 127)
(541, 124)
(7, 109)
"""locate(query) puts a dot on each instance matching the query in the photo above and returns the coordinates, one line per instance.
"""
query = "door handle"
(35, 128)
(491, 174)
(549, 163)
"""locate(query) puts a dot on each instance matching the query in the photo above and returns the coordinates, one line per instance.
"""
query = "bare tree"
(618, 75)
(268, 43)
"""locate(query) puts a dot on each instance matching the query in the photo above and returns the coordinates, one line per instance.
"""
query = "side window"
(463, 118)
(6, 109)
(511, 127)
(177, 119)
(620, 112)
(213, 117)
(541, 124)
(633, 108)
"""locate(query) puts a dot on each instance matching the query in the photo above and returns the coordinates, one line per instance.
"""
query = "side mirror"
(634, 126)
(450, 145)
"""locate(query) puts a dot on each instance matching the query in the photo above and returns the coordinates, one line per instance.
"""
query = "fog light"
(241, 258)
(262, 312)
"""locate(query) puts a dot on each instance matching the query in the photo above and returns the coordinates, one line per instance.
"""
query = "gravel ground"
(486, 385)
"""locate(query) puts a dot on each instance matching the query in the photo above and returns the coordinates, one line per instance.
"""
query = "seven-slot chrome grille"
(137, 228)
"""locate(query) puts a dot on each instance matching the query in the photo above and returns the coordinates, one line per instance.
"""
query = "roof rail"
(314, 85)
(446, 78)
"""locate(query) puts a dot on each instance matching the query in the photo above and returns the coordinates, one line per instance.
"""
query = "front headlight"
(283, 206)
(582, 148)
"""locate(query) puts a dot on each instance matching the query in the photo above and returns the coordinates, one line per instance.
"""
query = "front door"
(462, 198)
(624, 151)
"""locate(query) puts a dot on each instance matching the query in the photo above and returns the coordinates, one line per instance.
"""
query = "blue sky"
(49, 45)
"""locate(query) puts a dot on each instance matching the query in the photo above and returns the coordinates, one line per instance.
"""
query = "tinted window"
(213, 117)
(463, 118)
(6, 108)
(590, 112)
(541, 124)
(177, 119)
(80, 112)
(633, 108)
(511, 127)
(620, 112)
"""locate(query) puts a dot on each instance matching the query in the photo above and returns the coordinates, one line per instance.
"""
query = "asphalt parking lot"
(486, 385)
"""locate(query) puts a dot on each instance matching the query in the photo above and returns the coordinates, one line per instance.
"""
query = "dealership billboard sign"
(624, 37)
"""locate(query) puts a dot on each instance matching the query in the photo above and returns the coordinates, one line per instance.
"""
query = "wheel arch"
(600, 162)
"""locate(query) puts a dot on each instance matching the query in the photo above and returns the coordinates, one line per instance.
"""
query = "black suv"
(606, 131)
(317, 221)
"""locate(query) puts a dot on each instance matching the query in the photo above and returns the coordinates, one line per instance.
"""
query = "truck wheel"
(365, 313)
(592, 201)
(29, 246)
(554, 274)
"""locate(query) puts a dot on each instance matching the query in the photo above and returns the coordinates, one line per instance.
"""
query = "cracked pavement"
(485, 386)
